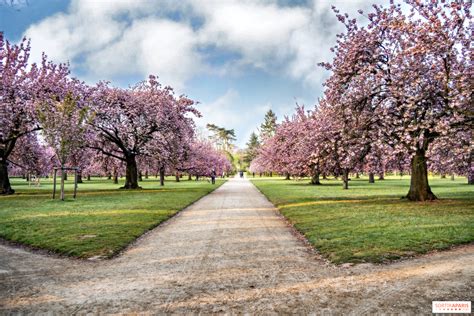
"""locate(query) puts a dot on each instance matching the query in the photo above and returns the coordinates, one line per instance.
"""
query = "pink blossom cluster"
(399, 98)
(48, 119)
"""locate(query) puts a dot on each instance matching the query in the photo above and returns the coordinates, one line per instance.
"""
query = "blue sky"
(237, 58)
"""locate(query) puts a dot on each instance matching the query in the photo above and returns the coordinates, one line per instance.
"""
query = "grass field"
(100, 222)
(369, 222)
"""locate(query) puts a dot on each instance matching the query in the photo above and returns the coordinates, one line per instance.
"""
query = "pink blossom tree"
(23, 87)
(453, 155)
(172, 145)
(204, 160)
(30, 158)
(16, 112)
(406, 76)
(320, 143)
(128, 121)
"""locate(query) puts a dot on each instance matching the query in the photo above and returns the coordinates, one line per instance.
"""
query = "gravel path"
(229, 252)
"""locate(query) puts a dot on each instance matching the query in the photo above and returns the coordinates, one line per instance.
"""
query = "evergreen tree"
(268, 127)
(222, 137)
(252, 148)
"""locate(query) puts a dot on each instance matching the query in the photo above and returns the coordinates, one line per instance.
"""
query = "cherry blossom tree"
(16, 113)
(453, 155)
(204, 160)
(406, 76)
(104, 166)
(398, 160)
(147, 121)
(85, 160)
(22, 88)
(319, 144)
(128, 121)
(375, 161)
(172, 145)
(30, 158)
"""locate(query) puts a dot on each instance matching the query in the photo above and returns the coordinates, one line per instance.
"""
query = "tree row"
(48, 119)
(399, 98)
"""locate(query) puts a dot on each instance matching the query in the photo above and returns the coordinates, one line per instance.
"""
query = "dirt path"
(229, 252)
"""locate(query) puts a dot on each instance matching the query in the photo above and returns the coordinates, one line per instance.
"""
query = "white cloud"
(110, 38)
(258, 31)
(155, 46)
(288, 39)
(312, 43)
(65, 36)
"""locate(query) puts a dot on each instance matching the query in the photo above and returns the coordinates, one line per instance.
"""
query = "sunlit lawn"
(100, 222)
(369, 222)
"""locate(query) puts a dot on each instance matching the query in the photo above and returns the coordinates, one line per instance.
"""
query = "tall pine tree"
(268, 127)
(252, 148)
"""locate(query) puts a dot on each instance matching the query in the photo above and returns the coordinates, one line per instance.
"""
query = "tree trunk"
(345, 179)
(65, 175)
(260, 174)
(287, 177)
(162, 175)
(470, 172)
(381, 176)
(79, 176)
(131, 174)
(178, 176)
(443, 176)
(63, 178)
(190, 177)
(109, 177)
(5, 187)
(271, 174)
(140, 177)
(315, 178)
(371, 177)
(419, 188)
(76, 174)
(452, 177)
(325, 177)
(146, 174)
(88, 177)
(357, 175)
(470, 177)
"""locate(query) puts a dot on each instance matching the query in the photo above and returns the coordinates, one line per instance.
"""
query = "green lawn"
(369, 222)
(100, 222)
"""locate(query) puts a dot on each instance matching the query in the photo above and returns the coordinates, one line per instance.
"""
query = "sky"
(238, 59)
